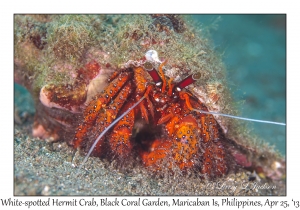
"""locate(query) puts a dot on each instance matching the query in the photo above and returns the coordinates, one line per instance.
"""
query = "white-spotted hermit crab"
(182, 130)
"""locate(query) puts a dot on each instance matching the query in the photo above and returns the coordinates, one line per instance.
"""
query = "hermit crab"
(188, 139)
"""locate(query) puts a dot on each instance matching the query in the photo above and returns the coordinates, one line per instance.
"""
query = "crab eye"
(148, 66)
(153, 73)
(196, 76)
(187, 81)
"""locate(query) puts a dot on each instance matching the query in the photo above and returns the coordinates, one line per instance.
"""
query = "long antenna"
(240, 118)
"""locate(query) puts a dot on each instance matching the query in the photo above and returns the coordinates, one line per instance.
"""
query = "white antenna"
(240, 118)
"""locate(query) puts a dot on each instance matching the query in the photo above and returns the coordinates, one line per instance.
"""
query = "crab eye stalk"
(187, 81)
(153, 73)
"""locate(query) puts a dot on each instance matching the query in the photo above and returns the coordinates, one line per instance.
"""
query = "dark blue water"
(254, 51)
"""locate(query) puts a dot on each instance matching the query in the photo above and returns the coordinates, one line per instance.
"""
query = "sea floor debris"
(43, 168)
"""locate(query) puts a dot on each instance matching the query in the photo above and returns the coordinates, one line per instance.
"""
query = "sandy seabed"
(42, 168)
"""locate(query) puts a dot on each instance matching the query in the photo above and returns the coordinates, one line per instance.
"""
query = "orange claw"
(158, 151)
(186, 142)
(183, 148)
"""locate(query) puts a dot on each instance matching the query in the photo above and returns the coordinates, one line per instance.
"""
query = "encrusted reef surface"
(65, 60)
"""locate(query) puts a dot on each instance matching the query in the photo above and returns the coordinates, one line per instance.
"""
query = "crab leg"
(109, 114)
(140, 81)
(93, 108)
(111, 125)
(119, 140)
(214, 158)
(163, 76)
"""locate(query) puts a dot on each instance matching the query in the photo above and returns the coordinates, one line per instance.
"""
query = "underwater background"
(253, 48)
